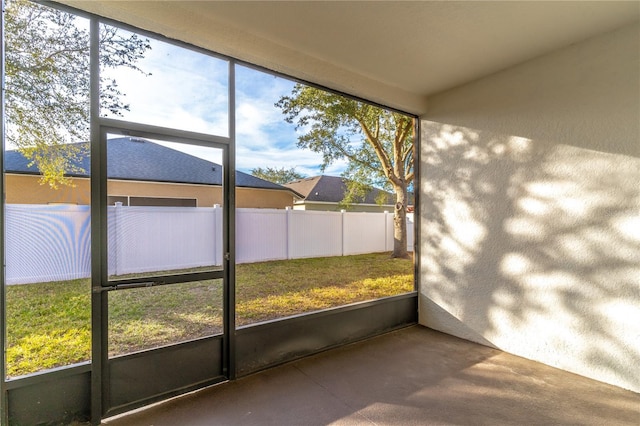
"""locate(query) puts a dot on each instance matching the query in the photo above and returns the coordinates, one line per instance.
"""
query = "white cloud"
(188, 91)
(253, 124)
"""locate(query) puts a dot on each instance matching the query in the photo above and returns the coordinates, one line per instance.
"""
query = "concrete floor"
(414, 376)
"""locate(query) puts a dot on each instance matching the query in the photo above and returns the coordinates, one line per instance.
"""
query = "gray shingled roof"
(143, 160)
(331, 189)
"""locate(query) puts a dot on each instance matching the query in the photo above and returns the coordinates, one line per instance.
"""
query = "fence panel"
(410, 232)
(364, 233)
(389, 231)
(314, 234)
(47, 243)
(261, 235)
(149, 239)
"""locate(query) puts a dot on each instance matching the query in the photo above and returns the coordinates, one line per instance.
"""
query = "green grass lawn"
(49, 323)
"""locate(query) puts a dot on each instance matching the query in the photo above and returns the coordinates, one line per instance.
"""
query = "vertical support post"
(229, 237)
(416, 201)
(99, 237)
(4, 415)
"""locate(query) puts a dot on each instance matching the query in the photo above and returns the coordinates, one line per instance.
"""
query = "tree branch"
(409, 178)
(352, 157)
(378, 149)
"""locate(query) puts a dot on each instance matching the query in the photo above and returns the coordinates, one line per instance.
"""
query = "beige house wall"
(26, 189)
(530, 210)
(263, 198)
(310, 205)
(205, 195)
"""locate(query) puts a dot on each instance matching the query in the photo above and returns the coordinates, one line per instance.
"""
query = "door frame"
(193, 357)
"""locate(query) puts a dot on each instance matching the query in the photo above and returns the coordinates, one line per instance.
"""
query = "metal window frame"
(4, 415)
(101, 404)
(99, 199)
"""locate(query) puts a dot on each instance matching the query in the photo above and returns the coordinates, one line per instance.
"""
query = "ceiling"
(393, 52)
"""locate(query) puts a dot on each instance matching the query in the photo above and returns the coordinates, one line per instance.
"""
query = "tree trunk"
(400, 224)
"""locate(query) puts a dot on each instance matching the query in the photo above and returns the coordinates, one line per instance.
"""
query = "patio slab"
(414, 376)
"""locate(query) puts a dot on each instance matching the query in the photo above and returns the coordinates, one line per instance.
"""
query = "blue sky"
(188, 90)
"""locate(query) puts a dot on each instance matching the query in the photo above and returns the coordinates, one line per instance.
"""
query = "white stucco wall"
(530, 210)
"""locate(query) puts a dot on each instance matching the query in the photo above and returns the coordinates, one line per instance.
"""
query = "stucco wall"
(530, 210)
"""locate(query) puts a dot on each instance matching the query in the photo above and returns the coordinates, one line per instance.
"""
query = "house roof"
(143, 160)
(332, 189)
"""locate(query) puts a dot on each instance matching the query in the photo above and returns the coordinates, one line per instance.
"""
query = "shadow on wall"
(533, 248)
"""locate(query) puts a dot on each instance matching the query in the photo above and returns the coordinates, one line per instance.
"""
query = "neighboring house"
(327, 192)
(141, 172)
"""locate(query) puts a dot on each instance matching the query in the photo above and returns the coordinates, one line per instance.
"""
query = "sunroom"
(515, 125)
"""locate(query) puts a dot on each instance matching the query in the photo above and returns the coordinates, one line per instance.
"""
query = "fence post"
(217, 236)
(288, 231)
(116, 237)
(342, 212)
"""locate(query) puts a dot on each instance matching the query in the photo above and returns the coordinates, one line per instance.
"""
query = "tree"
(277, 175)
(378, 144)
(47, 84)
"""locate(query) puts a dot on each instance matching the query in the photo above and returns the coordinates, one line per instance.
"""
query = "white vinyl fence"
(52, 242)
(147, 239)
(47, 243)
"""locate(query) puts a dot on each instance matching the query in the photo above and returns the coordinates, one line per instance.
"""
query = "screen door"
(164, 220)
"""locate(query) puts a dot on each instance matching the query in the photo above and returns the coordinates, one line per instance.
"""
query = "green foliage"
(374, 140)
(277, 175)
(49, 323)
(47, 83)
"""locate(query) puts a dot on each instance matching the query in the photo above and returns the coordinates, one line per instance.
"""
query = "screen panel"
(47, 199)
(151, 317)
(165, 84)
(164, 212)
